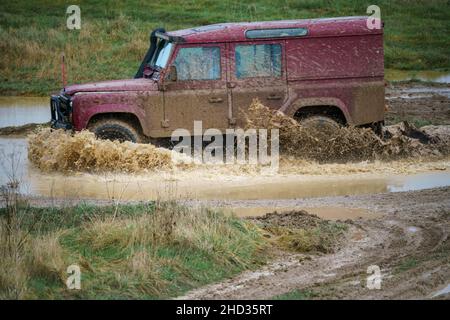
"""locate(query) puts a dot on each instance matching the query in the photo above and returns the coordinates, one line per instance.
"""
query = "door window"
(262, 60)
(198, 63)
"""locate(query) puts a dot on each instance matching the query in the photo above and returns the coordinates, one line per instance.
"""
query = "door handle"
(215, 100)
(231, 85)
(273, 97)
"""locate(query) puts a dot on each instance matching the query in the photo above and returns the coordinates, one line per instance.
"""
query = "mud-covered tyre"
(115, 130)
(320, 123)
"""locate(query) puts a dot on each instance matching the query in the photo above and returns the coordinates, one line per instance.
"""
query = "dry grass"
(13, 278)
(46, 258)
(208, 230)
(23, 255)
(13, 241)
(172, 239)
(142, 266)
(151, 251)
(158, 250)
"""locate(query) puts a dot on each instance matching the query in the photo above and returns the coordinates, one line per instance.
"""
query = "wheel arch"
(326, 106)
(85, 114)
(128, 117)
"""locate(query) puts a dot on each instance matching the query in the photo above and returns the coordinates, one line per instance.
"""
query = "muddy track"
(416, 102)
(409, 243)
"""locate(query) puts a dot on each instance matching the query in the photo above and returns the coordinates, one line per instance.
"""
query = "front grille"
(61, 111)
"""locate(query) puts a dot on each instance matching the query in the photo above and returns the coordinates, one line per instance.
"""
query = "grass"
(417, 122)
(114, 34)
(407, 264)
(296, 295)
(150, 251)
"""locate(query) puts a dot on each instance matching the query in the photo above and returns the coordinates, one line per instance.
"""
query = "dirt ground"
(409, 242)
(418, 104)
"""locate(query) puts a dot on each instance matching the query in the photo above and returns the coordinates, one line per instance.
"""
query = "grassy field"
(154, 250)
(114, 34)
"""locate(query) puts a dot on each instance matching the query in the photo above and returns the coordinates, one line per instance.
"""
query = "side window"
(262, 60)
(198, 63)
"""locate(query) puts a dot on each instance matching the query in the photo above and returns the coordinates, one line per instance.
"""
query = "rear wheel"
(320, 123)
(113, 129)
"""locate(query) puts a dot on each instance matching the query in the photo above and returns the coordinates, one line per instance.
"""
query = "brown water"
(18, 111)
(192, 185)
(425, 75)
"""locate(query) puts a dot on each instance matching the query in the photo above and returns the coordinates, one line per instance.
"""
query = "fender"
(292, 106)
(83, 115)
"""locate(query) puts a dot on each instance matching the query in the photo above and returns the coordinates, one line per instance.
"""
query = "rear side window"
(198, 63)
(261, 60)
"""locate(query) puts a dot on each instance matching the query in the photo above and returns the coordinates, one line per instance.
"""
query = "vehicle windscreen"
(162, 54)
(156, 57)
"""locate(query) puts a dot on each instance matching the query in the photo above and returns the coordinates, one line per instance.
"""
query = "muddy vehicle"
(323, 72)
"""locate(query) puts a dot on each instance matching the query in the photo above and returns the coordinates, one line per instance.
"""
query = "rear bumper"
(61, 112)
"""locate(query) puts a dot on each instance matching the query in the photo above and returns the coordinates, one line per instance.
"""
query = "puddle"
(421, 92)
(18, 111)
(441, 292)
(427, 75)
(190, 186)
(419, 181)
(13, 159)
(328, 213)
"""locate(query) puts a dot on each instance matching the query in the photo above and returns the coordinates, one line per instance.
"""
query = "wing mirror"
(147, 72)
(172, 75)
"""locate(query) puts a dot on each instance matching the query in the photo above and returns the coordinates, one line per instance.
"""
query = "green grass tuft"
(147, 251)
(296, 295)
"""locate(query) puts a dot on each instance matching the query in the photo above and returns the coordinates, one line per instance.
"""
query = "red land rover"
(323, 72)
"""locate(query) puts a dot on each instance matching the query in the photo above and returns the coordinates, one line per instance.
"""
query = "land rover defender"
(323, 72)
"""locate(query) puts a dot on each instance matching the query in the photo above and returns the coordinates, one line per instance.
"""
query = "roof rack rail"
(276, 33)
(170, 38)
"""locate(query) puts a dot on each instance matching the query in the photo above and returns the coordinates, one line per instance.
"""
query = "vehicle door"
(199, 92)
(257, 70)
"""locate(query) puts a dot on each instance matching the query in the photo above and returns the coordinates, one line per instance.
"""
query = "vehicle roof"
(230, 32)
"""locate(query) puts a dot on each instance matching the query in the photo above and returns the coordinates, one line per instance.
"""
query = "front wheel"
(113, 129)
